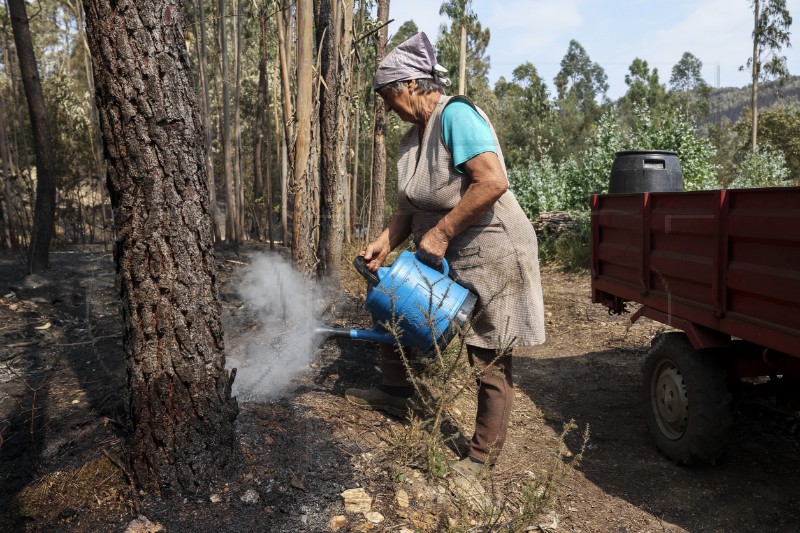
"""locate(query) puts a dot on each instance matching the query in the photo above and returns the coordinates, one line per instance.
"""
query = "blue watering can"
(427, 306)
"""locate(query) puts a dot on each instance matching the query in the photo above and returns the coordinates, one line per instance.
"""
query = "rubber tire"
(708, 415)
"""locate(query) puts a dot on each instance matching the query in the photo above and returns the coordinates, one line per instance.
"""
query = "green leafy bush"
(547, 185)
(573, 247)
(763, 168)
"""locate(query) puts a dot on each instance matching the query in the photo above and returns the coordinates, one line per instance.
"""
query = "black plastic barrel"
(646, 171)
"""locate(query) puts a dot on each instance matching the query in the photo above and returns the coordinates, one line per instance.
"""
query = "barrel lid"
(643, 152)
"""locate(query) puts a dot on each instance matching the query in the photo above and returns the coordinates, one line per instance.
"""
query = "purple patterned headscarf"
(412, 59)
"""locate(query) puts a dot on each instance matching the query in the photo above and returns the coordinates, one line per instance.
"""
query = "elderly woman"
(453, 198)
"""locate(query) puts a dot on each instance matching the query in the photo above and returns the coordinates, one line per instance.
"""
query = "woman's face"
(401, 103)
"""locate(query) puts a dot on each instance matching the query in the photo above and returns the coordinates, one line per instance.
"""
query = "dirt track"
(300, 452)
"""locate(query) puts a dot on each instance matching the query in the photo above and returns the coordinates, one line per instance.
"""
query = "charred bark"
(180, 404)
(45, 209)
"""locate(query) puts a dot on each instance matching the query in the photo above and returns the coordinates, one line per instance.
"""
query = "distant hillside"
(730, 102)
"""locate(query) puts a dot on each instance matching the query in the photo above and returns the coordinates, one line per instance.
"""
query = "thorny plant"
(438, 381)
(511, 512)
(435, 379)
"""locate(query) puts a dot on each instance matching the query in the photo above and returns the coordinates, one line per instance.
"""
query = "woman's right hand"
(375, 253)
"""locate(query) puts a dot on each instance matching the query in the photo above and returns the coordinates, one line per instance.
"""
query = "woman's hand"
(433, 246)
(375, 253)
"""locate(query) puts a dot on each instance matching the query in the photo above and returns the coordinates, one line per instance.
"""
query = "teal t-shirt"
(465, 133)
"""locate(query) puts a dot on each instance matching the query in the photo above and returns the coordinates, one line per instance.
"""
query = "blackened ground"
(62, 393)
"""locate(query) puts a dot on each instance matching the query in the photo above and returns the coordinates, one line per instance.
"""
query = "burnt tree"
(180, 404)
(44, 212)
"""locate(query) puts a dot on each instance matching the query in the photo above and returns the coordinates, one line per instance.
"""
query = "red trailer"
(723, 266)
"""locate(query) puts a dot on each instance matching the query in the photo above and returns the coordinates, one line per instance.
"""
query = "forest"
(175, 137)
(250, 87)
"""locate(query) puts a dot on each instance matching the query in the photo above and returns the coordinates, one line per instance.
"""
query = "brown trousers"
(495, 396)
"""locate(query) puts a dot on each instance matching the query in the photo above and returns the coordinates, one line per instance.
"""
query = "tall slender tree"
(44, 214)
(689, 87)
(181, 411)
(771, 23)
(643, 84)
(238, 184)
(334, 29)
(303, 246)
(231, 215)
(378, 181)
(208, 129)
(464, 22)
(262, 163)
(283, 22)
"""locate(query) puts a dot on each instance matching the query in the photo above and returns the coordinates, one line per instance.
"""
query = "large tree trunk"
(44, 212)
(180, 403)
(378, 200)
(302, 231)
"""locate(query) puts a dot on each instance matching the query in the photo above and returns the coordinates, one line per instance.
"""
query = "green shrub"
(573, 247)
(762, 168)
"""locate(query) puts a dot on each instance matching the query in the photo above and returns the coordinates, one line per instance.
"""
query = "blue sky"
(613, 32)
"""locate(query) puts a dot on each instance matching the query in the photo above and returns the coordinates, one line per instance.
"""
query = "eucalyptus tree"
(262, 154)
(644, 87)
(689, 87)
(581, 79)
(335, 35)
(180, 406)
(378, 177)
(360, 98)
(283, 22)
(771, 23)
(524, 115)
(581, 87)
(205, 98)
(303, 246)
(231, 214)
(448, 48)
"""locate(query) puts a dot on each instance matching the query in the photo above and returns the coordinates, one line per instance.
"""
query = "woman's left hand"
(433, 246)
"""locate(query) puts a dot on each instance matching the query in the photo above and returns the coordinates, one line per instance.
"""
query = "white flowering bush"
(764, 167)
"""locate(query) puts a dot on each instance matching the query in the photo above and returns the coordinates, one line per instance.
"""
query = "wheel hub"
(670, 400)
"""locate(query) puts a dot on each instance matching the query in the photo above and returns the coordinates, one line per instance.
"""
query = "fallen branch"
(22, 344)
(91, 341)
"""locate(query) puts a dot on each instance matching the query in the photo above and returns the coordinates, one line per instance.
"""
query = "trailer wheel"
(687, 399)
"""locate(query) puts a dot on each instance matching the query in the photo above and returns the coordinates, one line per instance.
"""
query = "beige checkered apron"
(496, 257)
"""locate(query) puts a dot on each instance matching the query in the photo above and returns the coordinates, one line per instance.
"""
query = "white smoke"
(279, 303)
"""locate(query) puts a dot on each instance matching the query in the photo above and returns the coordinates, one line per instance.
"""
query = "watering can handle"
(444, 265)
(361, 267)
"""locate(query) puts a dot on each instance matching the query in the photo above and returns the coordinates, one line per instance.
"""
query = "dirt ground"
(62, 423)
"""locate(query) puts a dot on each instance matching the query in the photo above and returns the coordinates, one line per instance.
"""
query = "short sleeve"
(465, 133)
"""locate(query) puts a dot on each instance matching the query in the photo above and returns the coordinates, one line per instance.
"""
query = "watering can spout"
(323, 332)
